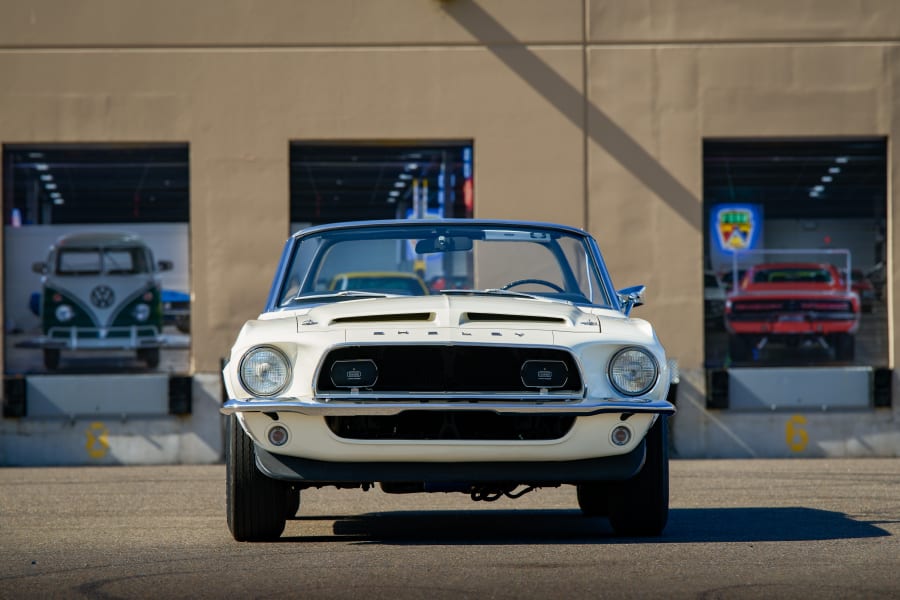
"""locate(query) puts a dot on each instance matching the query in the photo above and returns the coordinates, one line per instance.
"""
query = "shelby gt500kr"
(530, 373)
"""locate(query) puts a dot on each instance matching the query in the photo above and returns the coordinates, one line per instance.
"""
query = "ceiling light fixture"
(827, 178)
(834, 170)
(842, 160)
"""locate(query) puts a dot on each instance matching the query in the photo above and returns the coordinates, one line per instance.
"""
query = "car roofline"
(437, 223)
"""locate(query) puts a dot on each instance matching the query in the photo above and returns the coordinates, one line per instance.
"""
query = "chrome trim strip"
(473, 396)
(345, 408)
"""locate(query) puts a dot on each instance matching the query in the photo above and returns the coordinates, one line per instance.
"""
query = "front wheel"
(51, 358)
(149, 356)
(593, 498)
(292, 504)
(640, 506)
(256, 505)
(844, 346)
(739, 347)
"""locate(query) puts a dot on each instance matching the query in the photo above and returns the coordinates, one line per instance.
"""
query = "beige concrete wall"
(239, 108)
(651, 108)
(587, 112)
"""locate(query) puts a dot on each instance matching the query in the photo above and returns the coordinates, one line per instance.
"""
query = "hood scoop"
(386, 318)
(482, 317)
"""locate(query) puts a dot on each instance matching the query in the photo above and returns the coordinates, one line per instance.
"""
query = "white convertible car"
(516, 366)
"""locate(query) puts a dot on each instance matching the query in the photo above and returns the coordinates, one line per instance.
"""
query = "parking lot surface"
(737, 529)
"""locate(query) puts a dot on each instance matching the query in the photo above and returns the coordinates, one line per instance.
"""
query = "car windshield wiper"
(339, 295)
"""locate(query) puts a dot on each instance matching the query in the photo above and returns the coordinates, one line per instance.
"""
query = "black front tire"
(149, 356)
(844, 346)
(639, 506)
(739, 347)
(256, 505)
(593, 498)
(51, 358)
(292, 503)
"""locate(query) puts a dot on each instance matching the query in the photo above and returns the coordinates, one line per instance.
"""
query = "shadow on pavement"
(569, 526)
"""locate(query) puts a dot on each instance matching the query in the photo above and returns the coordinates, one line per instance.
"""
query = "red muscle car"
(792, 303)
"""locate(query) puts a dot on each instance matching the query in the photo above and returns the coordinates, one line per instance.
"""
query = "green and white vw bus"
(101, 291)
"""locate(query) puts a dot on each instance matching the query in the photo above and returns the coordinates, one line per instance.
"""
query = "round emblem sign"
(102, 296)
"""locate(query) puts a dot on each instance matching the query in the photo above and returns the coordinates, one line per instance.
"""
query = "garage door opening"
(96, 259)
(795, 253)
(352, 181)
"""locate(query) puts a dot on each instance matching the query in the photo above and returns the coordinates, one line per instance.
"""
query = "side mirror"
(165, 265)
(631, 297)
(39, 267)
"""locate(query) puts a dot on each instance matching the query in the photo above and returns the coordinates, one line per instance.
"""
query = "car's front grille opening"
(450, 425)
(449, 368)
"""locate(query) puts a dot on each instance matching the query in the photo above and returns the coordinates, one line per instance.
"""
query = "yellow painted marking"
(97, 440)
(796, 436)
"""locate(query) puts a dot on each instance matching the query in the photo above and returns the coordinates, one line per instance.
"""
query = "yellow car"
(389, 282)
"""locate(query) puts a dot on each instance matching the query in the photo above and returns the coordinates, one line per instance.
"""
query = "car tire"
(51, 358)
(183, 324)
(844, 346)
(256, 505)
(292, 503)
(738, 347)
(149, 356)
(593, 498)
(639, 506)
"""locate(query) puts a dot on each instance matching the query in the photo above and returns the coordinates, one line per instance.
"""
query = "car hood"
(452, 311)
(429, 318)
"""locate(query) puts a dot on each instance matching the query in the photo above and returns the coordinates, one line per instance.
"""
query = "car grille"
(453, 369)
(747, 307)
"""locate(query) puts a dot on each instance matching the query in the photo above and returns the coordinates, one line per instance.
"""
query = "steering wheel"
(549, 284)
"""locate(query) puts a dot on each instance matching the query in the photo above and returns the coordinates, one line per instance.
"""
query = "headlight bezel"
(278, 352)
(624, 391)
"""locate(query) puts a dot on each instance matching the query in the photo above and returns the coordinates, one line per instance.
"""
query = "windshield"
(109, 261)
(419, 260)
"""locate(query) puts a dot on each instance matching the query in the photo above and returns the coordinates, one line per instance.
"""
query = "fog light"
(620, 435)
(544, 374)
(278, 436)
(354, 373)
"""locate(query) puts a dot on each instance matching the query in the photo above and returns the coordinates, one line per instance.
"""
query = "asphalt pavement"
(793, 528)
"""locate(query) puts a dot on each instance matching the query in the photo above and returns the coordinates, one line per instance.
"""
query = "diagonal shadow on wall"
(573, 105)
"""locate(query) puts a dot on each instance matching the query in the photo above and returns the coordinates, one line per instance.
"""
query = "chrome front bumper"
(581, 407)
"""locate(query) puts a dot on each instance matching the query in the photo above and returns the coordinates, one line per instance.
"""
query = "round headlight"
(64, 313)
(141, 312)
(264, 371)
(633, 371)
